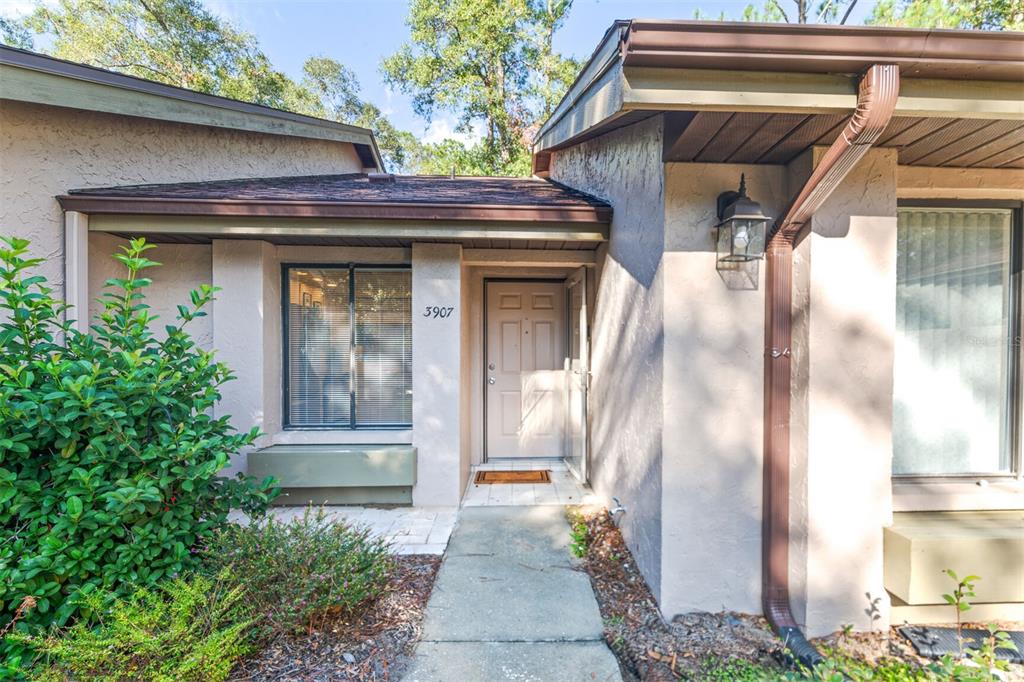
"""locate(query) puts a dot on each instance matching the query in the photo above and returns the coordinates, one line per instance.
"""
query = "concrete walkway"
(508, 605)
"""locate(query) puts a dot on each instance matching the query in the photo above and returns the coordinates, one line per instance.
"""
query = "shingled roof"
(352, 195)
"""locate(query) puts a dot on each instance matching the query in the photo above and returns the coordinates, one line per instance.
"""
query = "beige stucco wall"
(625, 402)
(45, 151)
(437, 403)
(713, 393)
(845, 308)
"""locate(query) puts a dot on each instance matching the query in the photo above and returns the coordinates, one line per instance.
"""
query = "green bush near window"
(109, 453)
(301, 571)
(187, 630)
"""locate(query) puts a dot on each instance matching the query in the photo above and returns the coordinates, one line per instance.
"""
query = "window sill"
(342, 436)
(967, 495)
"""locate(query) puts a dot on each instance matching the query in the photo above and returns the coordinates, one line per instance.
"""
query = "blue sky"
(360, 34)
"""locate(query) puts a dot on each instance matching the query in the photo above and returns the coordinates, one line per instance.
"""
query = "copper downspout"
(876, 101)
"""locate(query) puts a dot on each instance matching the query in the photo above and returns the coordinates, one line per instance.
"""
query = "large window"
(957, 341)
(348, 347)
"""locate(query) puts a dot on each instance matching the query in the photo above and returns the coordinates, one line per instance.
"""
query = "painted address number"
(436, 311)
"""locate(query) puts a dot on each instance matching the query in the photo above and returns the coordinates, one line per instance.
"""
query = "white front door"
(524, 369)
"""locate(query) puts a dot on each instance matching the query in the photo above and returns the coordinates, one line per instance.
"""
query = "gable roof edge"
(31, 77)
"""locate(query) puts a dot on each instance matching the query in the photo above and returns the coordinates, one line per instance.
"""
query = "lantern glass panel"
(725, 240)
(757, 232)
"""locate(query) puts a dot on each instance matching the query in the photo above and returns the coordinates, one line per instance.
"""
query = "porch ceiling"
(777, 138)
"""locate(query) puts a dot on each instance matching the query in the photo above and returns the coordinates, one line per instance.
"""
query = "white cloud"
(444, 128)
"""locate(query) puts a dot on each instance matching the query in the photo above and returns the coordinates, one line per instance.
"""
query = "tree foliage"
(793, 12)
(964, 14)
(177, 42)
(492, 63)
(331, 90)
(180, 42)
(110, 457)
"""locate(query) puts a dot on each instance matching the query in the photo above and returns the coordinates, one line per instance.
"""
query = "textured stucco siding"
(624, 167)
(712, 446)
(45, 151)
(845, 313)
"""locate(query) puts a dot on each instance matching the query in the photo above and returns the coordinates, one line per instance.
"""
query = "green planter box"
(338, 474)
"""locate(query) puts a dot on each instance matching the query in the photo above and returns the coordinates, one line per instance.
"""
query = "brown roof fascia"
(977, 55)
(332, 209)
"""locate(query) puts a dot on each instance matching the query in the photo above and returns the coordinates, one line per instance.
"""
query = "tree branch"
(849, 9)
(779, 7)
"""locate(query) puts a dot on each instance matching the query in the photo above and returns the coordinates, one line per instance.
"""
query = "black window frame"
(352, 268)
(1015, 390)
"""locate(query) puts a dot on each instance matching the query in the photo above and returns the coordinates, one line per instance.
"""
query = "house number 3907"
(438, 311)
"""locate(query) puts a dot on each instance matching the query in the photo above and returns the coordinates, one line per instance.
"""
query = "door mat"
(540, 476)
(935, 642)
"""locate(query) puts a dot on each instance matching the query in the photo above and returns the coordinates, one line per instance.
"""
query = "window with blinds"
(955, 350)
(349, 347)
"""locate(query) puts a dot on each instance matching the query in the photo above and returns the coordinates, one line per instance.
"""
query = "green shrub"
(579, 533)
(300, 570)
(187, 630)
(109, 455)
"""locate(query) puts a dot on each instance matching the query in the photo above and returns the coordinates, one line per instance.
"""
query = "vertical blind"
(952, 373)
(349, 347)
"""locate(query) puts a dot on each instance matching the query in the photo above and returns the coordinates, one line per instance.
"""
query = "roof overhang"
(205, 228)
(29, 77)
(643, 67)
(228, 208)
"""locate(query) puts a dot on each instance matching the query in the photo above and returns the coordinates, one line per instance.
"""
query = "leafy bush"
(839, 667)
(186, 630)
(109, 455)
(579, 533)
(300, 570)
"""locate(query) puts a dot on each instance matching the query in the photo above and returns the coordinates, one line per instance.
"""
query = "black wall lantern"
(742, 227)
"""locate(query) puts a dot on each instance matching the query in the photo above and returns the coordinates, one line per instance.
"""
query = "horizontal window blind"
(952, 373)
(319, 337)
(349, 347)
(383, 352)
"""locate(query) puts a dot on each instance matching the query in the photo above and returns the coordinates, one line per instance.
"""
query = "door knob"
(491, 380)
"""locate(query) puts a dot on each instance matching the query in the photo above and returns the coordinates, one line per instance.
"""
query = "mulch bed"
(653, 650)
(648, 647)
(376, 645)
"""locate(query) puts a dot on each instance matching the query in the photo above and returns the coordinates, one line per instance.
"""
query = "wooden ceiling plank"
(1007, 157)
(802, 137)
(922, 128)
(996, 130)
(696, 135)
(732, 136)
(940, 139)
(987, 149)
(896, 126)
(774, 129)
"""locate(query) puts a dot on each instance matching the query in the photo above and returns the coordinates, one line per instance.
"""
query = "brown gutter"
(332, 209)
(876, 101)
(741, 46)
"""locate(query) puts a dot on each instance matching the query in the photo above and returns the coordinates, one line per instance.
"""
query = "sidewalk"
(508, 605)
